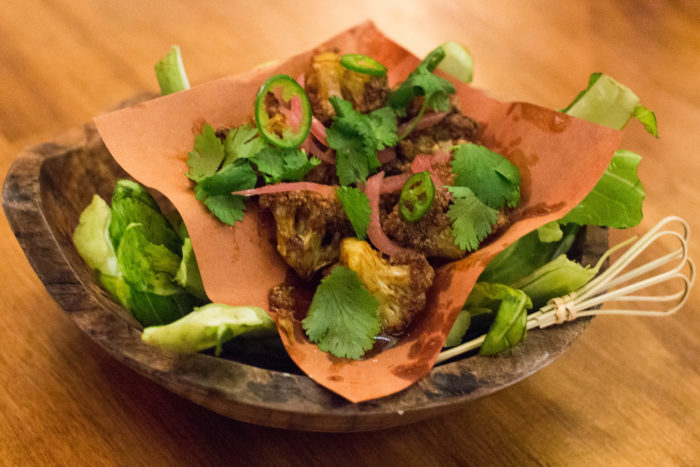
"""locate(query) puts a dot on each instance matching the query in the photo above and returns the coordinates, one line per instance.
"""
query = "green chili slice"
(363, 64)
(283, 112)
(416, 196)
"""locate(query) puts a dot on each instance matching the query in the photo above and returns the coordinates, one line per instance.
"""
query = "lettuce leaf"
(188, 275)
(170, 72)
(147, 267)
(607, 102)
(91, 237)
(508, 306)
(131, 203)
(526, 255)
(616, 200)
(209, 326)
(557, 278)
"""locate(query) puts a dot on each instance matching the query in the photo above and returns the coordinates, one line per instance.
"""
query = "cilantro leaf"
(492, 177)
(356, 206)
(343, 317)
(384, 127)
(215, 181)
(228, 208)
(352, 157)
(472, 220)
(297, 165)
(242, 143)
(280, 164)
(422, 82)
(234, 177)
(356, 138)
(207, 155)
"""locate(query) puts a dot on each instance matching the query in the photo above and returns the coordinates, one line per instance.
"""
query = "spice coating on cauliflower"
(309, 229)
(430, 235)
(326, 78)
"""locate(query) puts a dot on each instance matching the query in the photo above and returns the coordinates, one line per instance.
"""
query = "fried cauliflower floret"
(309, 229)
(431, 235)
(399, 284)
(455, 128)
(326, 78)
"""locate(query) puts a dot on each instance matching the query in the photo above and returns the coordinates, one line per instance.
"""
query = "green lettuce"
(188, 275)
(151, 309)
(610, 103)
(555, 279)
(131, 203)
(147, 267)
(140, 258)
(550, 232)
(170, 72)
(459, 329)
(508, 306)
(91, 237)
(210, 326)
(616, 200)
(526, 255)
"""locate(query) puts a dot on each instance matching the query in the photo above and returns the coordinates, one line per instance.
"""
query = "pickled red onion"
(318, 129)
(326, 190)
(374, 230)
(426, 121)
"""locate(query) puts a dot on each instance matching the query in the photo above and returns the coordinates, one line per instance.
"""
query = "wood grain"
(627, 392)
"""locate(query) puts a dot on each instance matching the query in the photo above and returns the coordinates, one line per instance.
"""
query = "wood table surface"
(626, 393)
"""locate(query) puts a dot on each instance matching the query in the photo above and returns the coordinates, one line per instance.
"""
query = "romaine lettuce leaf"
(459, 329)
(148, 309)
(509, 327)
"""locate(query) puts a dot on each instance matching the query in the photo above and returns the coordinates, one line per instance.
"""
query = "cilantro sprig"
(343, 318)
(356, 206)
(423, 83)
(357, 137)
(472, 220)
(484, 182)
(493, 178)
(235, 164)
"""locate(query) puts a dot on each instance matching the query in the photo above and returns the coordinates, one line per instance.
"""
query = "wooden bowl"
(44, 193)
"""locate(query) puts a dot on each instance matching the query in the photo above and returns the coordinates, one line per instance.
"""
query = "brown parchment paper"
(560, 159)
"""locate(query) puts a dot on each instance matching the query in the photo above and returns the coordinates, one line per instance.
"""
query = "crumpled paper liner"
(560, 159)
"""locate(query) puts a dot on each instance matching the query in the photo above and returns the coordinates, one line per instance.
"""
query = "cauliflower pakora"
(399, 284)
(309, 229)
